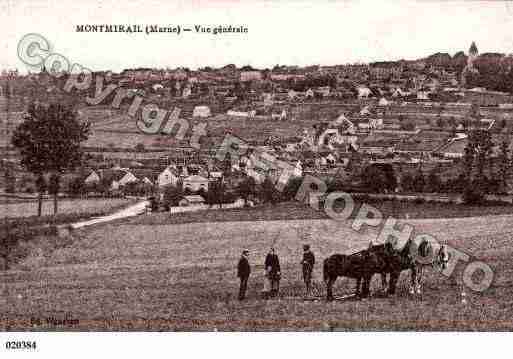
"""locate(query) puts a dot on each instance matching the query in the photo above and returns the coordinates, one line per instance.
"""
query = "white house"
(191, 200)
(365, 111)
(168, 177)
(129, 177)
(383, 102)
(186, 91)
(195, 183)
(241, 113)
(268, 99)
(147, 181)
(250, 76)
(422, 95)
(298, 169)
(363, 91)
(201, 111)
(118, 177)
(92, 178)
(157, 87)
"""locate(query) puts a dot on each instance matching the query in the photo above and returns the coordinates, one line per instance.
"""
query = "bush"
(473, 195)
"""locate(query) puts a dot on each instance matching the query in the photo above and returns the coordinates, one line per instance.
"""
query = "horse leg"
(419, 281)
(413, 283)
(392, 283)
(329, 289)
(365, 287)
(383, 282)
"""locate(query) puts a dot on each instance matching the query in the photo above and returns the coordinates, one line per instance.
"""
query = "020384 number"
(20, 345)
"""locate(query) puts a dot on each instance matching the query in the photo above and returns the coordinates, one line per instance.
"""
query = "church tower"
(472, 55)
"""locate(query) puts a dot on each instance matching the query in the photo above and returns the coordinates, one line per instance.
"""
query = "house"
(250, 76)
(187, 91)
(169, 176)
(191, 200)
(157, 87)
(292, 94)
(93, 177)
(383, 102)
(363, 92)
(117, 177)
(201, 111)
(365, 111)
(422, 95)
(399, 93)
(195, 183)
(268, 99)
(249, 114)
(129, 177)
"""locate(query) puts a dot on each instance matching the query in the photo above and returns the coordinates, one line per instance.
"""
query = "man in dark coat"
(273, 272)
(243, 271)
(308, 263)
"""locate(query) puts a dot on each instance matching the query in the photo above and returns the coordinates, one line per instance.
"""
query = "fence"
(204, 207)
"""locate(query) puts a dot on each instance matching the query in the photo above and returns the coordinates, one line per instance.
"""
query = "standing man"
(308, 264)
(273, 272)
(243, 271)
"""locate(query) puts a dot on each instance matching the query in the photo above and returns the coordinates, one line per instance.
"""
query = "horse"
(360, 266)
(409, 258)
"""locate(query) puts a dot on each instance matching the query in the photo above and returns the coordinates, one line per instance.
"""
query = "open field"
(296, 211)
(182, 277)
(79, 206)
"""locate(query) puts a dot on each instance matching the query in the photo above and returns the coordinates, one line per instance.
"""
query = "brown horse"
(360, 266)
(413, 256)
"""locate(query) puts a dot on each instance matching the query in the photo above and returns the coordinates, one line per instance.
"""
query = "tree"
(246, 188)
(269, 193)
(41, 189)
(419, 182)
(172, 195)
(477, 155)
(10, 181)
(504, 165)
(374, 179)
(139, 147)
(407, 183)
(76, 187)
(49, 141)
(434, 184)
(216, 193)
(53, 188)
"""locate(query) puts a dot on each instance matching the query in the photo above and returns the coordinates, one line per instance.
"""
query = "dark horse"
(380, 259)
(360, 266)
(395, 261)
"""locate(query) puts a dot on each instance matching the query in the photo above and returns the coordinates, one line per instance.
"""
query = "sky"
(302, 32)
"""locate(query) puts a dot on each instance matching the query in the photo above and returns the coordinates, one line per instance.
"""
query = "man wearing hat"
(243, 271)
(273, 272)
(308, 264)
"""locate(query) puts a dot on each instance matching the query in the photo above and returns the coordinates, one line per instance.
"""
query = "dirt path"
(131, 211)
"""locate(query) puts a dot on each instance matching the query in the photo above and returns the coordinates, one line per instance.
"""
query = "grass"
(76, 206)
(297, 210)
(182, 277)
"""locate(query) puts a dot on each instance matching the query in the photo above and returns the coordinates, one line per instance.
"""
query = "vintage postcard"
(220, 166)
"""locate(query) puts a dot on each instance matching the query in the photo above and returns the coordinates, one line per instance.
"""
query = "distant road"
(130, 211)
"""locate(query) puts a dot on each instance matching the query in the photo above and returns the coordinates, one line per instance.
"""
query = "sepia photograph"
(258, 166)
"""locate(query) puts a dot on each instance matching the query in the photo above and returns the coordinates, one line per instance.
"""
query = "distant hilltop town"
(413, 116)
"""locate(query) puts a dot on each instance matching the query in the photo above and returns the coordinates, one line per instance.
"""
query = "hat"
(245, 251)
(306, 247)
